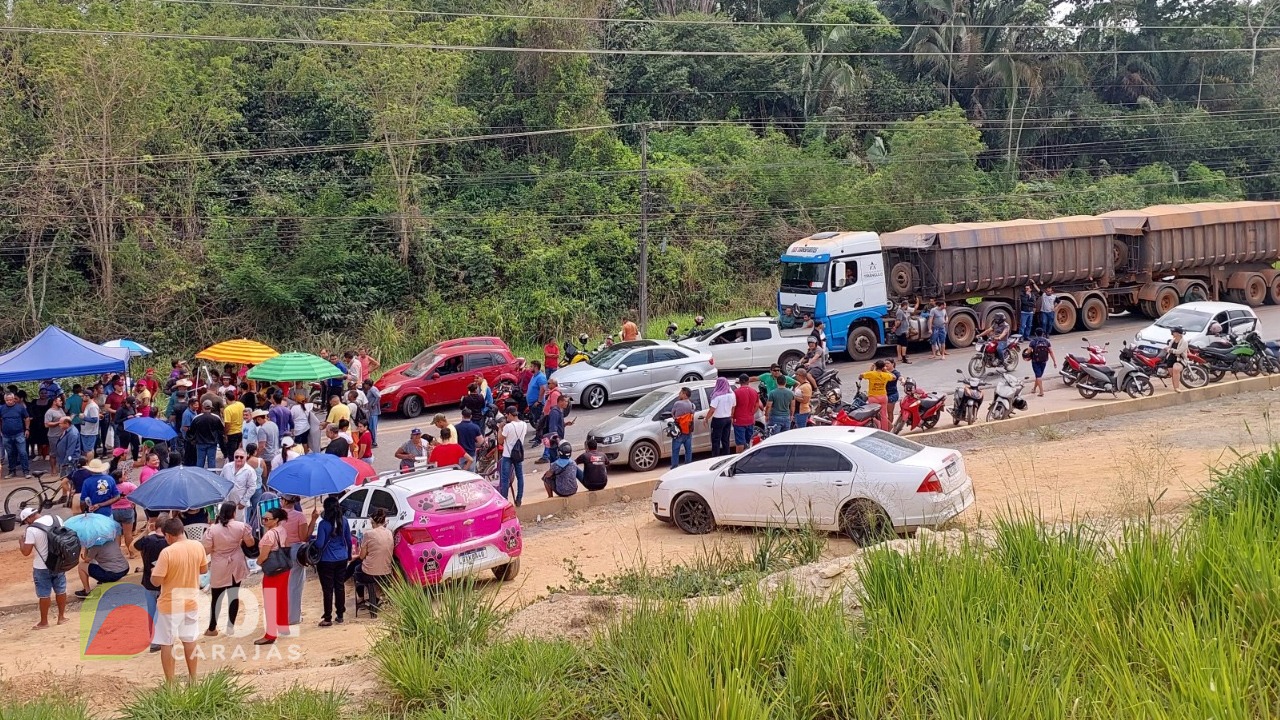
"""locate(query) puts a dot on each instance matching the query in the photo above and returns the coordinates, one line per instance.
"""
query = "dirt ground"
(1127, 465)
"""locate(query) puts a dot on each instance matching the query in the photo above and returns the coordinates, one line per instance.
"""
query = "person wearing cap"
(1176, 357)
(206, 432)
(512, 430)
(556, 426)
(815, 360)
(289, 450)
(189, 416)
(441, 422)
(50, 585)
(412, 451)
(563, 475)
(746, 405)
(268, 436)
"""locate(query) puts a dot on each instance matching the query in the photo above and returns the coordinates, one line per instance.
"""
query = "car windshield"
(889, 448)
(422, 362)
(1192, 320)
(608, 356)
(645, 406)
(804, 277)
(704, 333)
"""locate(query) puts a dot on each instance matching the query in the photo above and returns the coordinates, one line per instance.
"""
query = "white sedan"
(865, 483)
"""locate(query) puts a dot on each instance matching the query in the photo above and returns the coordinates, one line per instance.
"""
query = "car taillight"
(415, 536)
(508, 513)
(711, 361)
(931, 484)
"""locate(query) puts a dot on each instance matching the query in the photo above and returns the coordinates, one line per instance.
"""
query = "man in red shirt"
(744, 413)
(551, 356)
(446, 453)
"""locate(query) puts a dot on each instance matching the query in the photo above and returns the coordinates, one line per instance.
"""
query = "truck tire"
(902, 278)
(997, 310)
(1195, 293)
(1255, 291)
(1093, 314)
(1166, 300)
(1119, 254)
(862, 343)
(1273, 291)
(961, 329)
(1064, 317)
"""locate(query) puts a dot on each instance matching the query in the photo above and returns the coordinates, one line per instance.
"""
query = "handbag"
(277, 562)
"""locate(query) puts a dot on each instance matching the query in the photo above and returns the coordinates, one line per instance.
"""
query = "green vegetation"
(181, 191)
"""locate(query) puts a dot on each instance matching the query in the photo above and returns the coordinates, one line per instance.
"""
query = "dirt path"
(1123, 465)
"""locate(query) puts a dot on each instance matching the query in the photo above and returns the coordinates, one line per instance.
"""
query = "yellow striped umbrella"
(242, 351)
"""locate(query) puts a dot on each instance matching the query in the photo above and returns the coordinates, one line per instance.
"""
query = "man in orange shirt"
(629, 330)
(177, 571)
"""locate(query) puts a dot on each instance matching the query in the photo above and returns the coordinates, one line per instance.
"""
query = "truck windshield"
(804, 277)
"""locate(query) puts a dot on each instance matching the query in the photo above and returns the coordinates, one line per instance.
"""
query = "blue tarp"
(55, 353)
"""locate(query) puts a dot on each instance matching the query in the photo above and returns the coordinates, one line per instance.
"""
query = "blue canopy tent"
(56, 353)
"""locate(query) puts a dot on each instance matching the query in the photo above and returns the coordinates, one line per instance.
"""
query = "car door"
(631, 376)
(749, 490)
(1241, 321)
(818, 480)
(385, 501)
(447, 381)
(764, 352)
(669, 365)
(701, 433)
(731, 348)
(354, 509)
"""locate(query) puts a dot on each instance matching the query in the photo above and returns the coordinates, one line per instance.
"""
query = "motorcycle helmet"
(566, 449)
(672, 328)
(1026, 353)
(1177, 330)
(1019, 404)
(583, 338)
(698, 320)
(908, 385)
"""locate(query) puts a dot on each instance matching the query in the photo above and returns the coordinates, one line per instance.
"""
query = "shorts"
(939, 337)
(49, 583)
(86, 444)
(105, 576)
(124, 516)
(742, 434)
(1038, 368)
(901, 339)
(180, 627)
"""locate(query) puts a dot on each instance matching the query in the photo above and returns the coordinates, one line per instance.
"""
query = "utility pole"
(643, 309)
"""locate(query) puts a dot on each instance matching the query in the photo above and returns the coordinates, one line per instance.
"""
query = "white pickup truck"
(752, 343)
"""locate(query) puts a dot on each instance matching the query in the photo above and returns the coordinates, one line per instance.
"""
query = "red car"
(440, 374)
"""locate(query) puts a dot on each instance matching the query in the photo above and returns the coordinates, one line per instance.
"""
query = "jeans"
(742, 435)
(333, 575)
(48, 582)
(505, 469)
(207, 455)
(684, 440)
(373, 429)
(801, 420)
(721, 429)
(15, 450)
(778, 424)
(1024, 327)
(1046, 322)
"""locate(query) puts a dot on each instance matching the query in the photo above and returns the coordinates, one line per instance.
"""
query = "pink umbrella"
(364, 471)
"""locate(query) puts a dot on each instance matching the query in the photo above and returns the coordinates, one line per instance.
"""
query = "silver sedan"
(631, 369)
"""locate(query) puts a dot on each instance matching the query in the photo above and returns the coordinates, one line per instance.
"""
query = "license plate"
(952, 469)
(471, 556)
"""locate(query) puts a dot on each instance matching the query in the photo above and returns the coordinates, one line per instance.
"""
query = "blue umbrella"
(180, 488)
(312, 475)
(134, 347)
(93, 529)
(150, 428)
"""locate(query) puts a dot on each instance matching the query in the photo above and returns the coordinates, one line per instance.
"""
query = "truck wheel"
(961, 330)
(1093, 313)
(1167, 299)
(1119, 254)
(1255, 291)
(1064, 318)
(902, 278)
(1273, 291)
(997, 311)
(789, 361)
(862, 343)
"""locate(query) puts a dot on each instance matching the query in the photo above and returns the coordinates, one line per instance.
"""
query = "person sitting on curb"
(562, 477)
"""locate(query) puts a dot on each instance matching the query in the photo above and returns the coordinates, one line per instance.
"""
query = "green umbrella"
(294, 366)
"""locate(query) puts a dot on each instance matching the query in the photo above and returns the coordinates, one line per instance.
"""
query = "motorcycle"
(673, 330)
(1072, 365)
(1234, 355)
(829, 383)
(1103, 378)
(575, 354)
(1008, 398)
(918, 409)
(867, 415)
(987, 357)
(1151, 361)
(966, 400)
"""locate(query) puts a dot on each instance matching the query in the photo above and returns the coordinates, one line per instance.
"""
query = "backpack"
(361, 416)
(64, 546)
(1039, 350)
(517, 451)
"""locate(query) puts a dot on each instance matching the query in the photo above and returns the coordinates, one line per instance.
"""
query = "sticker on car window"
(453, 496)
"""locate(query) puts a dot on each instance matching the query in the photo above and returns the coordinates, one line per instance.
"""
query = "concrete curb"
(638, 486)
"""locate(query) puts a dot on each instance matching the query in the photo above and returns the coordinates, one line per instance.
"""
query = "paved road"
(931, 375)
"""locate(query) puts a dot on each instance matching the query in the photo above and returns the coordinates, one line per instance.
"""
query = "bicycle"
(27, 496)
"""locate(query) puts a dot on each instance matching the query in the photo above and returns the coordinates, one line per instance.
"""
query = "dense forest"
(393, 171)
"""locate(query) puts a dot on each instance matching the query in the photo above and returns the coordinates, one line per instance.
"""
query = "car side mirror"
(621, 368)
(665, 416)
(435, 376)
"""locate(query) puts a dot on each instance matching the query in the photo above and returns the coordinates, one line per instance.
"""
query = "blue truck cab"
(839, 278)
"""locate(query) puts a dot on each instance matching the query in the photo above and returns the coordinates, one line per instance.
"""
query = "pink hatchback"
(447, 523)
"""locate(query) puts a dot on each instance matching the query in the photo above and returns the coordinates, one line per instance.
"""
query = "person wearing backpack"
(48, 572)
(682, 415)
(1041, 354)
(512, 431)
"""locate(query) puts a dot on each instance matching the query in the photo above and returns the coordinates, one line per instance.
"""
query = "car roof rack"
(392, 476)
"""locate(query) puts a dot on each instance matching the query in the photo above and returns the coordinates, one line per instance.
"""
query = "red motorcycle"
(918, 409)
(1152, 362)
(867, 415)
(1071, 371)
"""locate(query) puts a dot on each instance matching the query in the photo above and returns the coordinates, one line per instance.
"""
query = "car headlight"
(610, 439)
(567, 385)
(390, 388)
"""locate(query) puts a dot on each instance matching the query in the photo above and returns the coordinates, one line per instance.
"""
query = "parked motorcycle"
(987, 356)
(1102, 378)
(1071, 371)
(829, 383)
(967, 399)
(1233, 355)
(1151, 361)
(918, 409)
(1008, 398)
(574, 354)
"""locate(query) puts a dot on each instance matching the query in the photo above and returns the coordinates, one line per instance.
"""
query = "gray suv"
(637, 435)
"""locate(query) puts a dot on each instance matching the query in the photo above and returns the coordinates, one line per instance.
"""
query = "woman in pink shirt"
(151, 468)
(227, 564)
(123, 512)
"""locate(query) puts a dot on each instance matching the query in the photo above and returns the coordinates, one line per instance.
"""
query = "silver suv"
(637, 435)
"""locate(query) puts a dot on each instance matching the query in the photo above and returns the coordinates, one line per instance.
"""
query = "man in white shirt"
(354, 370)
(244, 480)
(512, 431)
(35, 543)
